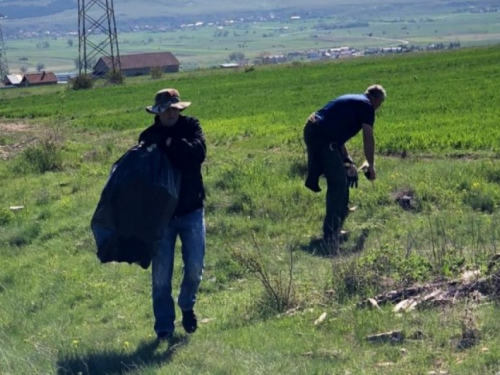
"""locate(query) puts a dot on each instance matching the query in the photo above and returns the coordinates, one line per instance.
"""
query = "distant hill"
(63, 13)
(18, 9)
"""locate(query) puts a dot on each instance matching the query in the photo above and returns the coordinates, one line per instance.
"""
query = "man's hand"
(370, 173)
(352, 175)
(169, 140)
(368, 170)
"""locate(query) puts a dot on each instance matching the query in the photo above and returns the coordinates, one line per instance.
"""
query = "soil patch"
(16, 136)
(15, 127)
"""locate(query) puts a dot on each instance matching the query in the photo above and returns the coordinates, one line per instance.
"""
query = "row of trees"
(39, 67)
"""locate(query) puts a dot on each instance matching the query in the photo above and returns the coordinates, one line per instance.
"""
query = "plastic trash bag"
(136, 204)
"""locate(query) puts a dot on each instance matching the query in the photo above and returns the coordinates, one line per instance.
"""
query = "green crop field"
(62, 312)
(208, 46)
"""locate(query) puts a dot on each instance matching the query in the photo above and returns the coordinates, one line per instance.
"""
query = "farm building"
(39, 79)
(12, 79)
(139, 64)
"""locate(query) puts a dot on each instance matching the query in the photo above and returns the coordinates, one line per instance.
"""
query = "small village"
(137, 64)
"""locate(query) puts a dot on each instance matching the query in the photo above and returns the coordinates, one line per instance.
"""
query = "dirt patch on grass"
(16, 136)
(15, 127)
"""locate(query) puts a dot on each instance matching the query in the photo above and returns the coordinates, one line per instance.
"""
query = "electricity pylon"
(4, 68)
(102, 22)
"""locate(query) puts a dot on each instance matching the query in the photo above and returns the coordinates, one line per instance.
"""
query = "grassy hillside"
(437, 144)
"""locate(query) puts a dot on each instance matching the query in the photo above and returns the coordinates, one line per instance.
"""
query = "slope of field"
(424, 112)
(432, 214)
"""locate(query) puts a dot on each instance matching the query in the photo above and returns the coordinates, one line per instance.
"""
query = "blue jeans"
(191, 230)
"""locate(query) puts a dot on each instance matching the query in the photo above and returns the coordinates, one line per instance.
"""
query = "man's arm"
(188, 152)
(345, 153)
(369, 149)
(147, 136)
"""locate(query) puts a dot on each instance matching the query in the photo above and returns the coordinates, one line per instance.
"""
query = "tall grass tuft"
(279, 287)
(24, 235)
(6, 216)
(44, 156)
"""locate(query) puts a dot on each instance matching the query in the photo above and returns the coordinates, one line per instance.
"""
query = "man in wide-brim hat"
(182, 140)
(165, 99)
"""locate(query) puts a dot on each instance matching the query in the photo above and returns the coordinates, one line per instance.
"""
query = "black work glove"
(351, 173)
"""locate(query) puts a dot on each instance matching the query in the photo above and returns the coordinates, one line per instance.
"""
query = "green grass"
(63, 312)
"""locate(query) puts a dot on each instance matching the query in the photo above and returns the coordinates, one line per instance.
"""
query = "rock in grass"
(321, 319)
(392, 336)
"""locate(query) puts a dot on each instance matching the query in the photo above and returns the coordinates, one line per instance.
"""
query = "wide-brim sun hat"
(165, 99)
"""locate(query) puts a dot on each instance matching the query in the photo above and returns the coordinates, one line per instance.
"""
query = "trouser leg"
(337, 194)
(313, 141)
(163, 266)
(192, 235)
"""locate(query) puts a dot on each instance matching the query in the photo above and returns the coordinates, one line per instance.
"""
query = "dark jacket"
(186, 152)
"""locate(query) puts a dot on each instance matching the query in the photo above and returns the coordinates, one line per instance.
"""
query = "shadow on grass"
(319, 247)
(118, 362)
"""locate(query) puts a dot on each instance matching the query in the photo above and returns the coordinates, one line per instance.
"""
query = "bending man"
(325, 134)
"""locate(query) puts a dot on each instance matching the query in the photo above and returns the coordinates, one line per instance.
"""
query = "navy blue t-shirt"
(343, 117)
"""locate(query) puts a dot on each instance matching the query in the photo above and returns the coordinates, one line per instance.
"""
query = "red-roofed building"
(139, 64)
(39, 79)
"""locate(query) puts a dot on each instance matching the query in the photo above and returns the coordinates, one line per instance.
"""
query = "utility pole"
(97, 17)
(4, 69)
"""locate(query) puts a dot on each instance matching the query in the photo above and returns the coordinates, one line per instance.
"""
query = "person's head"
(376, 94)
(167, 106)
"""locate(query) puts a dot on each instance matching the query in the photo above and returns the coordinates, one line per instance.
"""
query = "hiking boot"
(343, 236)
(165, 336)
(330, 245)
(189, 321)
(312, 185)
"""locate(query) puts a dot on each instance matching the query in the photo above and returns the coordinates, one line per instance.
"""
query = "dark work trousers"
(326, 158)
(337, 193)
(314, 141)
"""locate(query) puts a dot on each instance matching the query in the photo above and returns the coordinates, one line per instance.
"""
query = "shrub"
(482, 198)
(42, 157)
(278, 285)
(156, 73)
(115, 77)
(82, 82)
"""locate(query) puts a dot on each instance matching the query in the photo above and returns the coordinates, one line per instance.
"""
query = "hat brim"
(157, 109)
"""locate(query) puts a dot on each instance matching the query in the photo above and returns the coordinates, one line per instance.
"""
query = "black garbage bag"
(137, 202)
